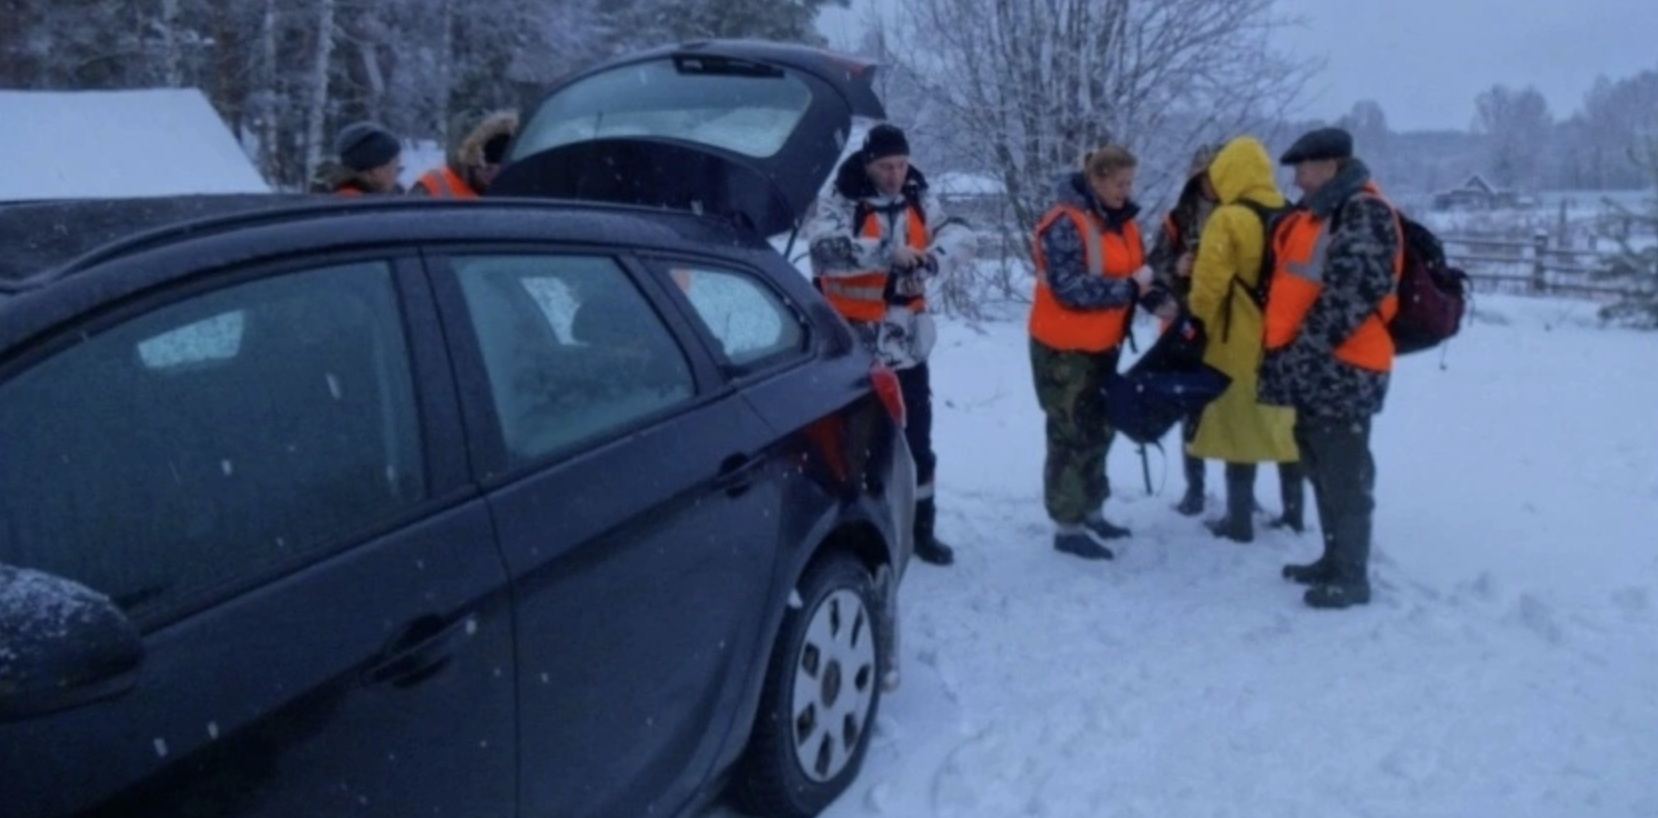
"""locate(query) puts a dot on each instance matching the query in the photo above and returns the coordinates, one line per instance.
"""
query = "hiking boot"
(1319, 572)
(1082, 545)
(1336, 596)
(1286, 521)
(930, 550)
(1105, 529)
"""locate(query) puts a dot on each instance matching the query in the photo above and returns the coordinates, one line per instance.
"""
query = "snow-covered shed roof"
(98, 144)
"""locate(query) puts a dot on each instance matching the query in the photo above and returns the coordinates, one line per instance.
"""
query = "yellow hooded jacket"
(1235, 427)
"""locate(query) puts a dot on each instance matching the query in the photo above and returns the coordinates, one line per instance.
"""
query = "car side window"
(572, 349)
(750, 320)
(209, 440)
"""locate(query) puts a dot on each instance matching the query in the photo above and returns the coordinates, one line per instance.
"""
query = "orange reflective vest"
(1301, 246)
(1111, 254)
(862, 296)
(442, 181)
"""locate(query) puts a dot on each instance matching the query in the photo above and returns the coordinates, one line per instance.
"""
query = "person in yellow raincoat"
(1235, 428)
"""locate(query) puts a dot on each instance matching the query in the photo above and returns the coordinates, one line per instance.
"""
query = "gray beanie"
(365, 145)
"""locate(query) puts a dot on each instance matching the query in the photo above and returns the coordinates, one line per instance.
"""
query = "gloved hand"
(909, 283)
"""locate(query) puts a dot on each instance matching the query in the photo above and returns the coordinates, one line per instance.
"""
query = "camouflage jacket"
(1358, 274)
(1072, 283)
(839, 249)
(1177, 236)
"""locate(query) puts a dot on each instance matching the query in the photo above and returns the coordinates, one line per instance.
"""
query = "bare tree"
(1518, 127)
(1034, 84)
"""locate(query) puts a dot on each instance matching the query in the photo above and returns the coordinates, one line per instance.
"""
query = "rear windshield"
(737, 106)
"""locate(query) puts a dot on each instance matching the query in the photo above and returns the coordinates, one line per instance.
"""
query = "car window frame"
(661, 265)
(492, 465)
(434, 404)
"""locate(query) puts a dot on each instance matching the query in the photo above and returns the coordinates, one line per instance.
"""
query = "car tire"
(822, 693)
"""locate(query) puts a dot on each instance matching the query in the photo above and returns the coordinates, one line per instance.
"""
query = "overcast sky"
(1426, 60)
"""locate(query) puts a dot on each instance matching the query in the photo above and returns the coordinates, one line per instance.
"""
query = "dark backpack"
(1433, 295)
(1168, 383)
(1269, 217)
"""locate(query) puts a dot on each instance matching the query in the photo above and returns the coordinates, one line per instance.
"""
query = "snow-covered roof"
(96, 144)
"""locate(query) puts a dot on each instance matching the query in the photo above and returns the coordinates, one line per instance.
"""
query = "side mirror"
(61, 645)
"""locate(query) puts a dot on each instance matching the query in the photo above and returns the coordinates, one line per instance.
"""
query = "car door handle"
(419, 651)
(737, 473)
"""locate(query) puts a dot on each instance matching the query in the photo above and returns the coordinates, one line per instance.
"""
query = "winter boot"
(1104, 529)
(1337, 595)
(1076, 540)
(1239, 523)
(1293, 490)
(1319, 572)
(1191, 505)
(927, 546)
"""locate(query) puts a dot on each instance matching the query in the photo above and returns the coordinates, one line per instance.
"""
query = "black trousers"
(1337, 461)
(916, 385)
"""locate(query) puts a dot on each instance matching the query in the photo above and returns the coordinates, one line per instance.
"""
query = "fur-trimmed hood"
(468, 132)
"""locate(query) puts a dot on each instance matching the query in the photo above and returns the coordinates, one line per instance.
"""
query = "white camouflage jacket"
(903, 338)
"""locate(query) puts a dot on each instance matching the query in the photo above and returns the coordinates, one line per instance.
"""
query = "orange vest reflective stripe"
(1110, 254)
(1301, 246)
(445, 182)
(862, 296)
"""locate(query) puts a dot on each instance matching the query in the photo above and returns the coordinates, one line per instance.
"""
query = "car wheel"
(823, 689)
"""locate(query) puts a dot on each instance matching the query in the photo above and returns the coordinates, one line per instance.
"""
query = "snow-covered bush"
(1636, 263)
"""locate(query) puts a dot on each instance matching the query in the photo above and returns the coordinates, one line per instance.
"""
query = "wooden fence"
(1538, 266)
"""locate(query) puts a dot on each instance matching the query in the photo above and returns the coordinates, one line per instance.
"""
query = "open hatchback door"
(747, 130)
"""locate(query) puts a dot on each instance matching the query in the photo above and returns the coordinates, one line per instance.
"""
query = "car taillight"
(886, 386)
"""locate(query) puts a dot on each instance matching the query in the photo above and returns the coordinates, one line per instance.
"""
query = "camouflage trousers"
(1068, 389)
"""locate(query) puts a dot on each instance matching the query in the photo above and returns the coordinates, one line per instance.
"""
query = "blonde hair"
(1107, 160)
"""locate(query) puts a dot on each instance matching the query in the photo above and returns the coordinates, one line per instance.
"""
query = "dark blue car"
(396, 507)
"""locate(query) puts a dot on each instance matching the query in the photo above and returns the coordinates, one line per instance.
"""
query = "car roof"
(46, 241)
(41, 236)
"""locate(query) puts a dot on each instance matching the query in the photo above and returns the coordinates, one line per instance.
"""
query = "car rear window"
(738, 106)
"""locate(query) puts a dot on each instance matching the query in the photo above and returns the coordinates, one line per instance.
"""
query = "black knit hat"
(365, 146)
(885, 140)
(1323, 143)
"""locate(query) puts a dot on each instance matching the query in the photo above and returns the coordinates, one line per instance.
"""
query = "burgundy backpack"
(1433, 295)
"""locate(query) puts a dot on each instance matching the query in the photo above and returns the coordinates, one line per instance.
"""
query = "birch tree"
(316, 109)
(264, 99)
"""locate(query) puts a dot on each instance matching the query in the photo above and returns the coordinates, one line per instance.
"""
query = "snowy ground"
(1508, 667)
